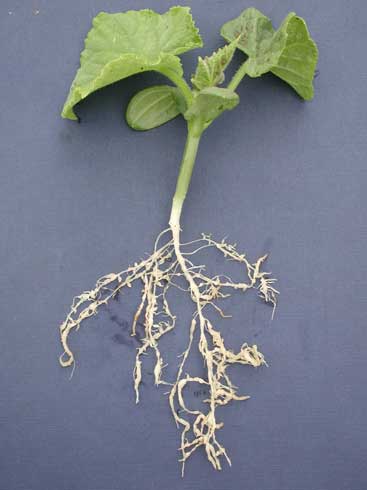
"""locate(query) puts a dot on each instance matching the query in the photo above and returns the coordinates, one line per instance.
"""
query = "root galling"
(157, 275)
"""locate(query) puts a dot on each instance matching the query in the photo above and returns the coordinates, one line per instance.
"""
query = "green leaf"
(210, 70)
(122, 44)
(290, 53)
(210, 102)
(154, 106)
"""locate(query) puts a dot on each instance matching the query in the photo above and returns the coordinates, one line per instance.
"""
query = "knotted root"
(157, 275)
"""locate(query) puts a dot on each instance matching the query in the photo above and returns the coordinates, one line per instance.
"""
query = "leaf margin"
(168, 62)
(280, 36)
(212, 67)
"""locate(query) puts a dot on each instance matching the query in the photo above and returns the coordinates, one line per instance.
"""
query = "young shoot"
(123, 44)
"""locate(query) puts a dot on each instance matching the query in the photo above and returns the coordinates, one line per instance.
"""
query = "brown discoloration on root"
(157, 274)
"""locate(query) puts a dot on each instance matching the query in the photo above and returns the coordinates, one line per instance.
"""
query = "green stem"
(180, 83)
(237, 77)
(195, 130)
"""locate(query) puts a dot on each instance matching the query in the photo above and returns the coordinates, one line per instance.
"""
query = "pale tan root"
(157, 274)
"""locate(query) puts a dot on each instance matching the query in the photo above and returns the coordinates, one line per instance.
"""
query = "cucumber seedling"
(123, 44)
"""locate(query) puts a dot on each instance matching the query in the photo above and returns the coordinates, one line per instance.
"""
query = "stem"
(180, 83)
(237, 77)
(195, 130)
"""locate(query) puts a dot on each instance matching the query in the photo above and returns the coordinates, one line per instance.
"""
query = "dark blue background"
(78, 201)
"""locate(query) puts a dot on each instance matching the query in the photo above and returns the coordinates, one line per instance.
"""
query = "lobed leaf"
(290, 53)
(154, 106)
(210, 70)
(210, 102)
(122, 44)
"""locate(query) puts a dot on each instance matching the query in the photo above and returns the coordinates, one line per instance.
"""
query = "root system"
(157, 274)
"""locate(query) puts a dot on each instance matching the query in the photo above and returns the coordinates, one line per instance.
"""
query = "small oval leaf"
(153, 107)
